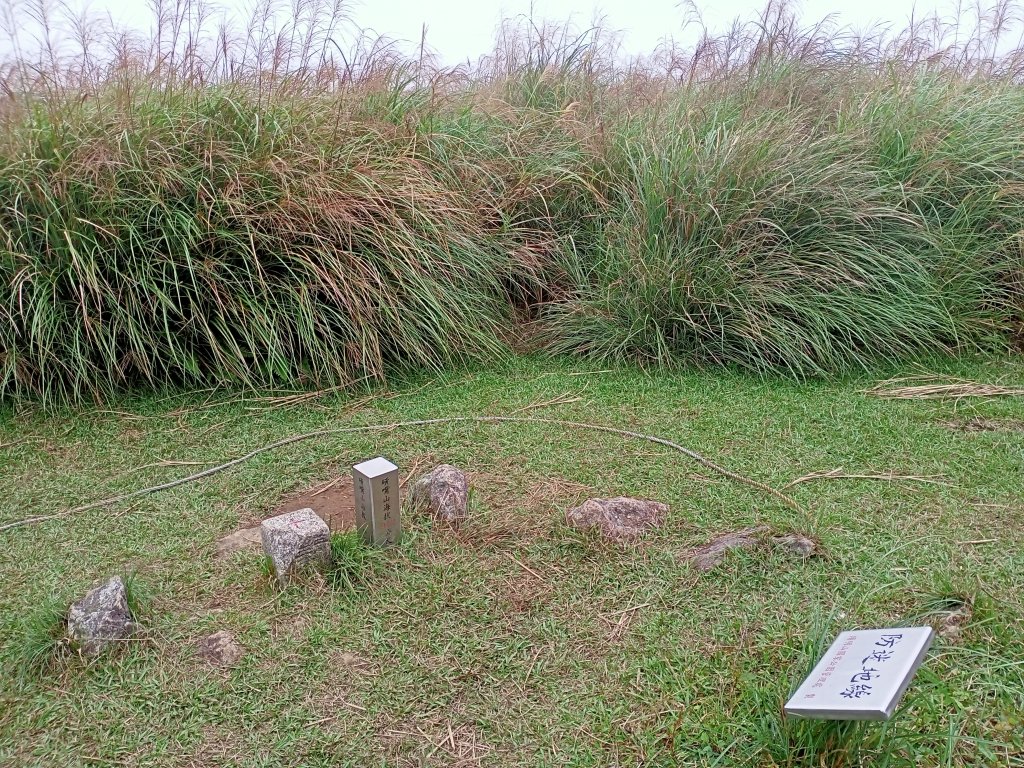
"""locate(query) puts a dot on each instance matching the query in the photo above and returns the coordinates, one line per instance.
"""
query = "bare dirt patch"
(516, 510)
(981, 424)
(333, 500)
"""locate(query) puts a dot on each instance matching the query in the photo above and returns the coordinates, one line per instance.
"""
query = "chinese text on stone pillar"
(378, 505)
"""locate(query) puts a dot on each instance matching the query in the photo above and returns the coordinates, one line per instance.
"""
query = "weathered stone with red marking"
(297, 542)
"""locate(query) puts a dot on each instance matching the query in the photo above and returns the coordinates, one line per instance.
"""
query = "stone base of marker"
(443, 492)
(297, 542)
(101, 619)
(620, 518)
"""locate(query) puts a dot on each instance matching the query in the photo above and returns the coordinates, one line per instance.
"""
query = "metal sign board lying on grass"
(378, 507)
(863, 675)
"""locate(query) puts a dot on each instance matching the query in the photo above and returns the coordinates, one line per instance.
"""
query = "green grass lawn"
(517, 640)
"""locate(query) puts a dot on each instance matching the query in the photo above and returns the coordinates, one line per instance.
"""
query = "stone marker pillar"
(378, 505)
(296, 542)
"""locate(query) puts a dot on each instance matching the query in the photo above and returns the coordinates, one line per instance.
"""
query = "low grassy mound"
(514, 640)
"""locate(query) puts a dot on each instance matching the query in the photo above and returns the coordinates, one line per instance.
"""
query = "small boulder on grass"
(296, 542)
(713, 553)
(101, 619)
(795, 544)
(443, 492)
(620, 518)
(220, 649)
(950, 614)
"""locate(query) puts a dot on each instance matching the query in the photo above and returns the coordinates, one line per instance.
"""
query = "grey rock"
(444, 492)
(296, 542)
(620, 518)
(796, 544)
(711, 554)
(220, 649)
(101, 618)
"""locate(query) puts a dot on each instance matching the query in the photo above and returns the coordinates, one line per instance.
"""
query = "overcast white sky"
(458, 29)
(464, 29)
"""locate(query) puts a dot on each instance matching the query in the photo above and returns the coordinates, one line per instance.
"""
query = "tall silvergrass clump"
(271, 214)
(808, 205)
(207, 239)
(292, 206)
(806, 239)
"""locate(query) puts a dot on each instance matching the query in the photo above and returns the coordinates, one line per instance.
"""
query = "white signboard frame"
(375, 484)
(863, 675)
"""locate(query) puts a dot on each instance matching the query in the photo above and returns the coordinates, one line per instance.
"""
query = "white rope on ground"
(700, 459)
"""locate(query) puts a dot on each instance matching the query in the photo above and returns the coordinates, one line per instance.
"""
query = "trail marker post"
(378, 504)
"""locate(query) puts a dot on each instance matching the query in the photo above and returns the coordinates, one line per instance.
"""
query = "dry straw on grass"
(839, 474)
(926, 387)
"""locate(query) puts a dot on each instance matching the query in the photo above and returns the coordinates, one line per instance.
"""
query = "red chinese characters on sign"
(840, 654)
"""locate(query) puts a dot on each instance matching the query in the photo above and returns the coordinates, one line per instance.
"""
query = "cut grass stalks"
(928, 387)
